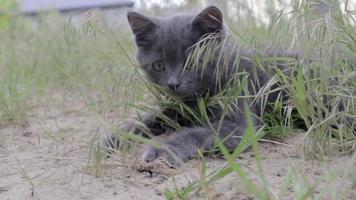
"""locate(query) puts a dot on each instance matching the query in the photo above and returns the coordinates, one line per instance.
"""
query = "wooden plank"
(31, 7)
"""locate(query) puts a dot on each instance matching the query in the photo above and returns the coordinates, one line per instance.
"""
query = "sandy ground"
(48, 159)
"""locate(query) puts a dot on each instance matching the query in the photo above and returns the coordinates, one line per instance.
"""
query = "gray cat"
(164, 46)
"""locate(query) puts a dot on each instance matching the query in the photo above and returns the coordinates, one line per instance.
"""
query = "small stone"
(159, 192)
(3, 189)
(317, 173)
(27, 134)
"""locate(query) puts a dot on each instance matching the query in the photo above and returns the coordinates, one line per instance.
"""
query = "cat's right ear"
(142, 27)
(210, 20)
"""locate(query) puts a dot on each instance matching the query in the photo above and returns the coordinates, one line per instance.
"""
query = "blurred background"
(254, 10)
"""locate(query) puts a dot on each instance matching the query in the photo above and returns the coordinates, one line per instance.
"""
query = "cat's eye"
(158, 66)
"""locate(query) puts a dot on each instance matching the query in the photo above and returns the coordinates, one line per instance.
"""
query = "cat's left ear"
(209, 20)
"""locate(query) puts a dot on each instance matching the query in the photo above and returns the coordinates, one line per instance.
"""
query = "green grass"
(94, 63)
(50, 55)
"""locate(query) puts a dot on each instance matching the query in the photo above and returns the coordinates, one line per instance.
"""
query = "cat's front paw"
(150, 153)
(171, 154)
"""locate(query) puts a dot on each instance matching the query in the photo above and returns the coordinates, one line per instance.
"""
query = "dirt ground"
(48, 159)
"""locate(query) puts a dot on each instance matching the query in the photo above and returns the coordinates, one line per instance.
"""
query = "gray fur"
(170, 40)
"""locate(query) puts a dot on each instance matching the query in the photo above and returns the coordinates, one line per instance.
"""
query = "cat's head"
(164, 44)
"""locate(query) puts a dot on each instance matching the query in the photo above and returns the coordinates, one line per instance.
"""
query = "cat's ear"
(209, 20)
(142, 27)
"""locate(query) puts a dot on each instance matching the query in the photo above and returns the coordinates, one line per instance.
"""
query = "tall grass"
(49, 54)
(323, 90)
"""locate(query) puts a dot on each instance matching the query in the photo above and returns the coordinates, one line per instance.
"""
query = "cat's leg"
(183, 145)
(148, 126)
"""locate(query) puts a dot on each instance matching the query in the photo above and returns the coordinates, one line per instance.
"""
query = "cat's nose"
(173, 86)
(173, 83)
